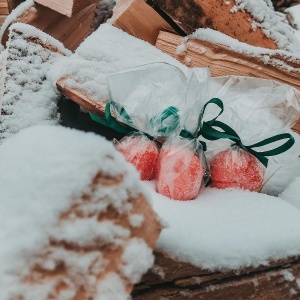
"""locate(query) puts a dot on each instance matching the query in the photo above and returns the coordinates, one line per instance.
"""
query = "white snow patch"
(137, 259)
(287, 275)
(44, 169)
(228, 229)
(136, 220)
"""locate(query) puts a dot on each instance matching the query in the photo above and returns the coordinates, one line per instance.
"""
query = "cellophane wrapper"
(141, 152)
(256, 109)
(181, 169)
(148, 92)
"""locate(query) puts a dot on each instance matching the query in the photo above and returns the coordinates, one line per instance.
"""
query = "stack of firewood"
(167, 22)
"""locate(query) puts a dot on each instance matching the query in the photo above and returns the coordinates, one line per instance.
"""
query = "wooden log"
(24, 85)
(177, 281)
(4, 9)
(190, 15)
(139, 19)
(67, 7)
(70, 31)
(223, 61)
(12, 4)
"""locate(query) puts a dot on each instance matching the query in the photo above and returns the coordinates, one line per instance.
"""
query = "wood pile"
(69, 23)
(263, 60)
(174, 280)
(6, 6)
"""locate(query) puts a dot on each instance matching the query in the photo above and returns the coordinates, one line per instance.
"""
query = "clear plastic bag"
(158, 99)
(181, 169)
(140, 151)
(257, 109)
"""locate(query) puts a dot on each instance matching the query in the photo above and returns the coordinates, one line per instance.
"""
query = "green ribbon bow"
(166, 123)
(210, 133)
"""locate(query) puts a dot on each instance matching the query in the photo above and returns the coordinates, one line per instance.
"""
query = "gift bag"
(251, 130)
(181, 168)
(141, 152)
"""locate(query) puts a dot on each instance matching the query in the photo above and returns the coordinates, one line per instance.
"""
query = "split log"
(70, 31)
(27, 94)
(139, 19)
(190, 15)
(95, 231)
(175, 280)
(67, 7)
(223, 61)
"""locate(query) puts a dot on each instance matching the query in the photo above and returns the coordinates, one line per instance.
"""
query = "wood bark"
(190, 15)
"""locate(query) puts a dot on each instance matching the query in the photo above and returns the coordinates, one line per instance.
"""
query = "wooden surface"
(6, 6)
(70, 31)
(174, 280)
(222, 61)
(108, 252)
(66, 7)
(190, 15)
(139, 19)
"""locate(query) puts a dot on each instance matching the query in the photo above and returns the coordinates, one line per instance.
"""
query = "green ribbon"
(202, 125)
(206, 129)
(166, 123)
(210, 133)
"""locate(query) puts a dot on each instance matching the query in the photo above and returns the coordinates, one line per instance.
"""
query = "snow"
(30, 97)
(17, 12)
(268, 56)
(112, 288)
(137, 259)
(108, 50)
(44, 169)
(294, 12)
(266, 18)
(292, 192)
(227, 229)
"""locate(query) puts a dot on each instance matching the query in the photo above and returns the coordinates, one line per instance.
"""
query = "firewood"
(25, 86)
(4, 9)
(192, 14)
(70, 31)
(224, 61)
(67, 7)
(176, 280)
(139, 19)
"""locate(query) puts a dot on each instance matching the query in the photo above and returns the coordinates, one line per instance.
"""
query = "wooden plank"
(66, 7)
(70, 31)
(139, 19)
(190, 15)
(223, 61)
(274, 282)
(4, 10)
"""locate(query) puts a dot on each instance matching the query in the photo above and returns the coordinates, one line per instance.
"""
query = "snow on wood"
(29, 96)
(66, 7)
(225, 56)
(139, 19)
(266, 283)
(108, 50)
(252, 22)
(67, 236)
(70, 31)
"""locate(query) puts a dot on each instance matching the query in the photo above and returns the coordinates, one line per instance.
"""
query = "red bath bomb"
(142, 153)
(179, 173)
(236, 168)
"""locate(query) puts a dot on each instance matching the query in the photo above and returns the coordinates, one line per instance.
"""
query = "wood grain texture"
(70, 31)
(67, 7)
(175, 280)
(223, 61)
(190, 15)
(139, 19)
